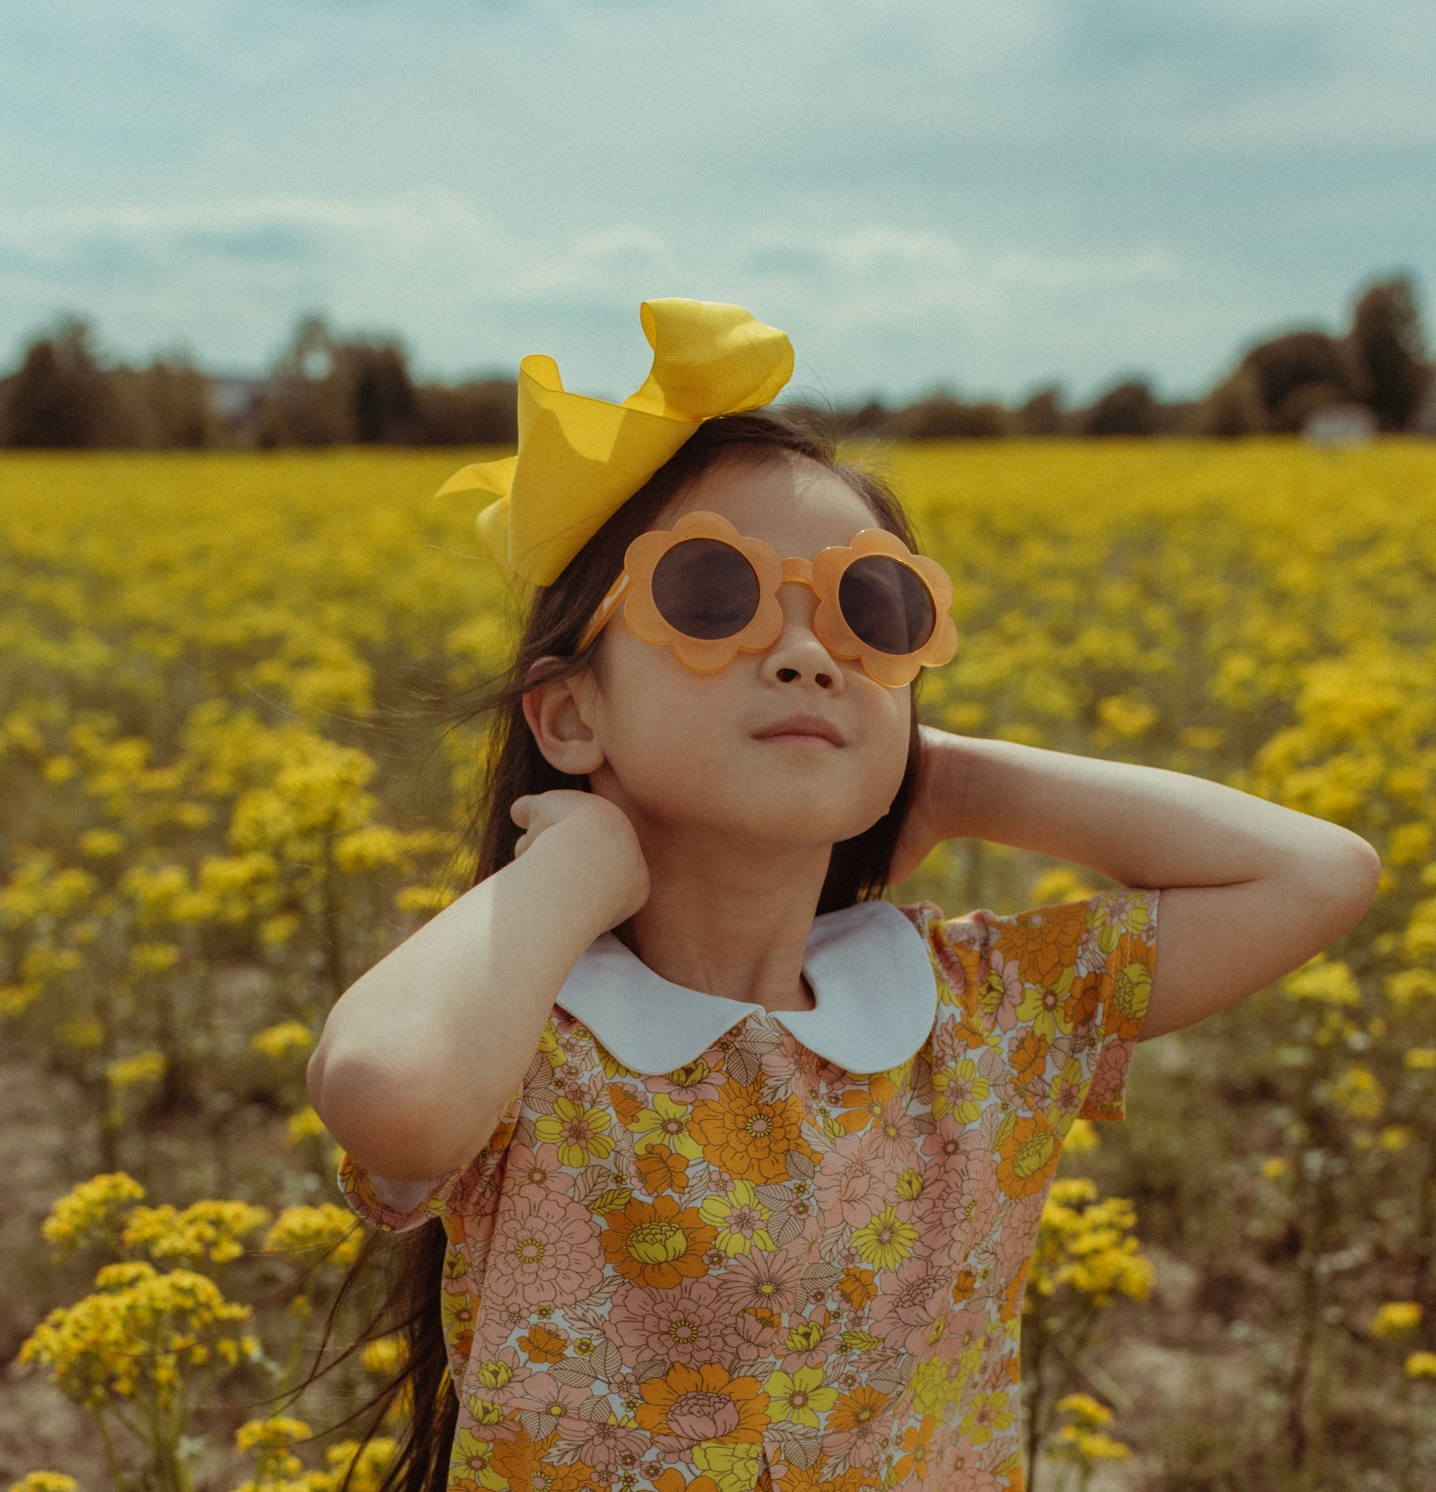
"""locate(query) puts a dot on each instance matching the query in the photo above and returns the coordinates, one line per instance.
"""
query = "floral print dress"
(765, 1266)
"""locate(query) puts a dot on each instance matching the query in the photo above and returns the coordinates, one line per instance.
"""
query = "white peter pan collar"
(873, 985)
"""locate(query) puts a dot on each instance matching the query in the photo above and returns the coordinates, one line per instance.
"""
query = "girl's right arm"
(421, 1056)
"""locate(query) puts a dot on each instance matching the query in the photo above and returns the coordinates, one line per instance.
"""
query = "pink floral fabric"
(764, 1271)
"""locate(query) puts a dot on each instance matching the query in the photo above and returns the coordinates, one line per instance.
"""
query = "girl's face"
(790, 747)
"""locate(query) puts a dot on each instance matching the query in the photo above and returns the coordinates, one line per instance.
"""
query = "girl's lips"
(813, 726)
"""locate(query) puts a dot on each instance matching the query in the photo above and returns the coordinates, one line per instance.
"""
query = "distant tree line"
(1380, 365)
(332, 390)
(326, 390)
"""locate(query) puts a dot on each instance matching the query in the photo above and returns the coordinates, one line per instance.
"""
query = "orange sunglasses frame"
(824, 574)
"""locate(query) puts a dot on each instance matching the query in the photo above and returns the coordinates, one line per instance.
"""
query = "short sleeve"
(393, 1206)
(398, 1206)
(1124, 929)
(1048, 1003)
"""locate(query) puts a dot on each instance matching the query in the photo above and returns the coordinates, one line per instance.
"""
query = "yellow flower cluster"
(327, 1230)
(87, 1213)
(304, 1125)
(96, 1212)
(45, 1481)
(276, 1042)
(1358, 1093)
(1085, 1245)
(1396, 1318)
(269, 1440)
(210, 1230)
(136, 1347)
(140, 1334)
(1082, 1440)
(385, 1356)
(134, 1072)
(364, 1465)
(348, 1463)
(1325, 981)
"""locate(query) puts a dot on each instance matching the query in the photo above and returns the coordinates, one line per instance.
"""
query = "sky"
(989, 197)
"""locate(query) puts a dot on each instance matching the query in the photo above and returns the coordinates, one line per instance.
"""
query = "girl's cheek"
(662, 738)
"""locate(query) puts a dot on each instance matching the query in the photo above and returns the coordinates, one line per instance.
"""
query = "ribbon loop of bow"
(580, 459)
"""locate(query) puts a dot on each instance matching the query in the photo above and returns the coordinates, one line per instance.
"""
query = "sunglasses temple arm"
(599, 620)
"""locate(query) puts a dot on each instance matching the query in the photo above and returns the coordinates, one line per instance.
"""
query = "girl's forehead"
(791, 503)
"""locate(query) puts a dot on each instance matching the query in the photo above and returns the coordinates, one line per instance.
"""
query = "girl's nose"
(797, 656)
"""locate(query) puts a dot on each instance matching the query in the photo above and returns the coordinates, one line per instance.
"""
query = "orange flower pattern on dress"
(749, 1138)
(691, 1406)
(760, 1272)
(1027, 1155)
(859, 1107)
(657, 1243)
(544, 1344)
(662, 1170)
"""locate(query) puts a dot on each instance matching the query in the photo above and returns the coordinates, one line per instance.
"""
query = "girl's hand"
(598, 836)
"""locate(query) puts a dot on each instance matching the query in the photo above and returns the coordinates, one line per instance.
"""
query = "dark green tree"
(385, 408)
(58, 398)
(328, 390)
(1041, 414)
(166, 406)
(1128, 409)
(1387, 342)
(1233, 408)
(941, 416)
(482, 412)
(1301, 372)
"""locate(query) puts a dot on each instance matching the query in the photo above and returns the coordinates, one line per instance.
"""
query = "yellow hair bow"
(581, 459)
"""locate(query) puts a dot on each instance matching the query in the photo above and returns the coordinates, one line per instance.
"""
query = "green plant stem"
(296, 1350)
(1079, 1338)
(128, 1425)
(111, 1459)
(1408, 1440)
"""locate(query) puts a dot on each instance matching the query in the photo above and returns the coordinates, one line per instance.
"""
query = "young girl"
(733, 1169)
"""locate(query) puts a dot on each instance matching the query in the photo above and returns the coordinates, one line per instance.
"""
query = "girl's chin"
(782, 831)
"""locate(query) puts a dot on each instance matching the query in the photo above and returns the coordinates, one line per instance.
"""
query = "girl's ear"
(556, 715)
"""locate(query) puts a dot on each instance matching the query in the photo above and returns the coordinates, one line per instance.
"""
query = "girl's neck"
(727, 921)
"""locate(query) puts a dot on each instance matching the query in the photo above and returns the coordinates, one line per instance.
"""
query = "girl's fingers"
(520, 809)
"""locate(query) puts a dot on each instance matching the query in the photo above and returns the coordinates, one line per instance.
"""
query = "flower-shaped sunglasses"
(709, 593)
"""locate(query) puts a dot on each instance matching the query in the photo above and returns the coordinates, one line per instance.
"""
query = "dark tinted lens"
(705, 588)
(886, 604)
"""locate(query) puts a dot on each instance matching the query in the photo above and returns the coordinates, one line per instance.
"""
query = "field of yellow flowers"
(225, 790)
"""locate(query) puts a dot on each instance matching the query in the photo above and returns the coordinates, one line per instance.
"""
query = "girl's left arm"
(1250, 890)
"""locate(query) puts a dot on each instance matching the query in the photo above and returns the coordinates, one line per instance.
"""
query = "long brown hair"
(857, 870)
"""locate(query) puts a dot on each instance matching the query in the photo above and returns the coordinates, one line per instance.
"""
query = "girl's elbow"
(314, 1079)
(1347, 881)
(1370, 867)
(396, 1124)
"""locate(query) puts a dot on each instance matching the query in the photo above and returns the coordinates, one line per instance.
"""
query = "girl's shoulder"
(1104, 930)
(1045, 1001)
